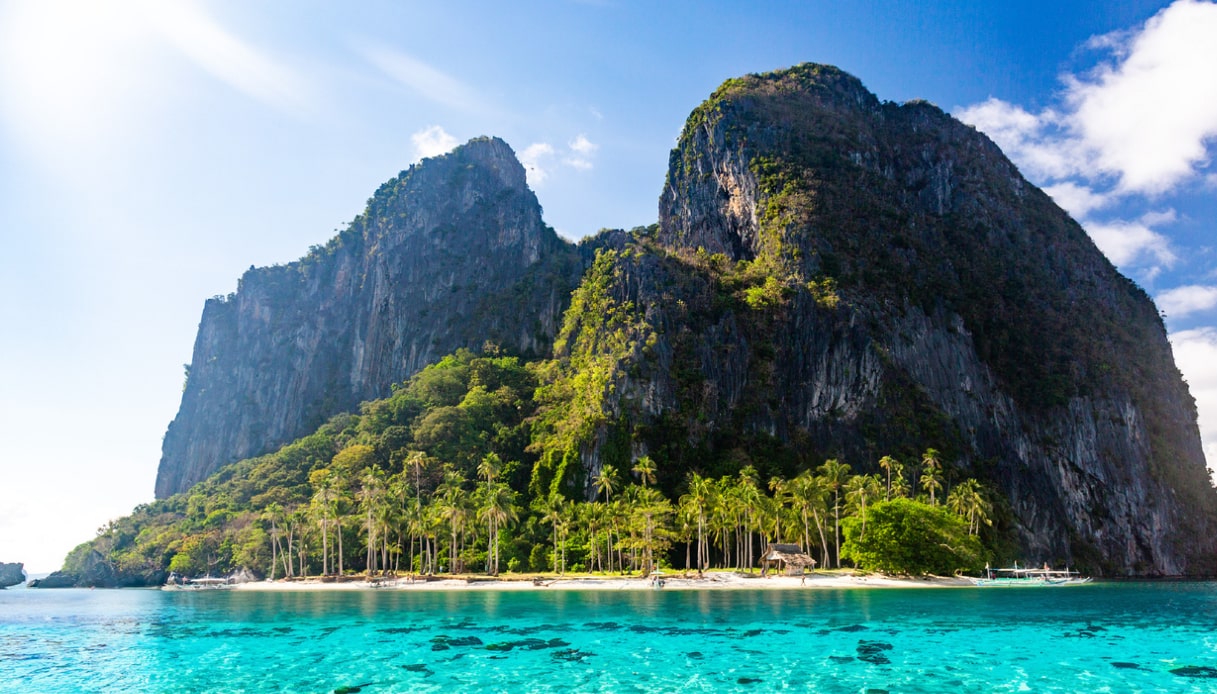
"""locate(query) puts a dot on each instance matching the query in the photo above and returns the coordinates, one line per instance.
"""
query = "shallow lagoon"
(1102, 637)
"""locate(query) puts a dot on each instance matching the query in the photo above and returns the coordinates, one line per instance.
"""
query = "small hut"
(792, 557)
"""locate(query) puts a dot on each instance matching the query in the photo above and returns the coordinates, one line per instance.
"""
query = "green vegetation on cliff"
(835, 283)
(453, 473)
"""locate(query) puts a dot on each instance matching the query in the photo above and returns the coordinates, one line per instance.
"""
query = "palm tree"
(371, 497)
(780, 504)
(450, 498)
(720, 517)
(900, 487)
(889, 463)
(834, 473)
(387, 517)
(490, 467)
(606, 482)
(341, 479)
(591, 515)
(651, 510)
(297, 521)
(698, 500)
(497, 508)
(967, 500)
(417, 460)
(807, 495)
(397, 488)
(615, 515)
(859, 490)
(273, 513)
(931, 479)
(686, 527)
(749, 497)
(644, 467)
(416, 525)
(323, 509)
(553, 511)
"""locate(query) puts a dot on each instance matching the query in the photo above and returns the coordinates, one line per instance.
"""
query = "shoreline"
(710, 581)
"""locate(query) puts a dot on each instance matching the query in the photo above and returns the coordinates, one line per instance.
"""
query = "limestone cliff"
(840, 277)
(11, 574)
(452, 253)
(832, 276)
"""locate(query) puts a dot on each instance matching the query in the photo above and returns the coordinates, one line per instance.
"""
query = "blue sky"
(152, 151)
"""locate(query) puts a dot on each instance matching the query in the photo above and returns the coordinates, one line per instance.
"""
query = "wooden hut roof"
(792, 555)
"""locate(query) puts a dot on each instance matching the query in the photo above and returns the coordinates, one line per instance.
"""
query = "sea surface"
(1125, 637)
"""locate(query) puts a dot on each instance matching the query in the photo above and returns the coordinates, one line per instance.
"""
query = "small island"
(11, 574)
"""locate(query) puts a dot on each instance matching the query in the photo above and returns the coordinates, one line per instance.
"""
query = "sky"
(152, 150)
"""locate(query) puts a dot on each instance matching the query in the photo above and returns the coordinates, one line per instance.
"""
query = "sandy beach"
(677, 581)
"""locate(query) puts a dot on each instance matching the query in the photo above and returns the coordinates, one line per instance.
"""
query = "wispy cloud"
(423, 79)
(1139, 124)
(1184, 301)
(581, 152)
(240, 64)
(541, 159)
(432, 141)
(536, 159)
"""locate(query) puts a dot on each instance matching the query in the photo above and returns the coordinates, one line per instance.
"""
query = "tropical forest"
(472, 466)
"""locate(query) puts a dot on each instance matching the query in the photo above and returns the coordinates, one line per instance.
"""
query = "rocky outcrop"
(11, 574)
(452, 253)
(850, 278)
(95, 571)
(57, 579)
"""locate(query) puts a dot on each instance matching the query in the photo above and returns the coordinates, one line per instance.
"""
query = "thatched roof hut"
(792, 557)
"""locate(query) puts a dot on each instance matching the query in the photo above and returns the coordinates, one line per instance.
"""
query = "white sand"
(711, 581)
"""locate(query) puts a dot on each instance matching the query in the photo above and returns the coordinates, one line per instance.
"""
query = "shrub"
(903, 536)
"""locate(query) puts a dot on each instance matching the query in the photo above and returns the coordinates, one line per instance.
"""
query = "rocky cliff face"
(12, 574)
(450, 254)
(849, 278)
(832, 276)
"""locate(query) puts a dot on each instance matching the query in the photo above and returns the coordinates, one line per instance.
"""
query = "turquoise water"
(1100, 638)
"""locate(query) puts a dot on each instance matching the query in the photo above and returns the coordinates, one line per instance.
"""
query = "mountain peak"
(490, 153)
(447, 255)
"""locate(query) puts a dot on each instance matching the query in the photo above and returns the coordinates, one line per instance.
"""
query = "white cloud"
(1127, 242)
(582, 149)
(426, 81)
(1033, 141)
(1138, 124)
(1196, 355)
(536, 158)
(1078, 200)
(1183, 301)
(432, 142)
(1147, 117)
(1144, 120)
(583, 146)
(541, 159)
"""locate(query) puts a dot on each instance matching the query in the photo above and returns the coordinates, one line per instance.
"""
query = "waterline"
(1116, 637)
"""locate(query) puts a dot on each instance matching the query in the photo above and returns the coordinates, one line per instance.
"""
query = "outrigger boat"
(204, 583)
(1019, 577)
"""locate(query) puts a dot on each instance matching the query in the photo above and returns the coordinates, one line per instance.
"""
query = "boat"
(204, 583)
(1023, 577)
